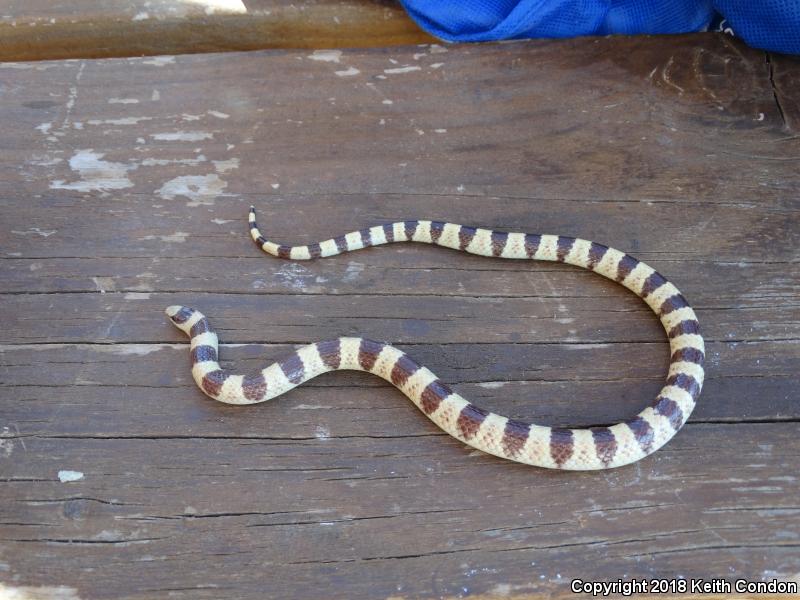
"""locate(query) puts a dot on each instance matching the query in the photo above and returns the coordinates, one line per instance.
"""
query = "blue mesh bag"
(768, 24)
(485, 20)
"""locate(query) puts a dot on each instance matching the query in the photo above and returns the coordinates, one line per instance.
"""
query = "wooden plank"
(124, 185)
(44, 30)
(284, 133)
(381, 516)
(564, 384)
(242, 318)
(768, 283)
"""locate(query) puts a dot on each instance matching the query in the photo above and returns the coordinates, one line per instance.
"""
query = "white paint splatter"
(159, 61)
(440, 130)
(402, 70)
(182, 136)
(200, 189)
(109, 535)
(67, 476)
(176, 238)
(349, 72)
(218, 114)
(387, 101)
(492, 385)
(437, 65)
(123, 101)
(326, 55)
(96, 174)
(322, 432)
(137, 296)
(73, 97)
(133, 349)
(44, 128)
(275, 186)
(155, 96)
(140, 16)
(36, 231)
(43, 592)
(7, 448)
(122, 121)
(158, 162)
(223, 166)
(11, 65)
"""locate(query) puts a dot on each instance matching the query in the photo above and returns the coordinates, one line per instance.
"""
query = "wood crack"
(775, 92)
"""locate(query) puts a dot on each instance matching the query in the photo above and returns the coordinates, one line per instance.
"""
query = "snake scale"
(556, 448)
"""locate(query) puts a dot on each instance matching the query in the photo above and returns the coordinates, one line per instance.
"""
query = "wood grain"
(44, 30)
(124, 187)
(786, 86)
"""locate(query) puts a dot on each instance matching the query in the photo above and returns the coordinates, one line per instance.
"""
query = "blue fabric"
(768, 24)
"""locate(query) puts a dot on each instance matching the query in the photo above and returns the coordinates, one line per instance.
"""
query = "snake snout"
(179, 314)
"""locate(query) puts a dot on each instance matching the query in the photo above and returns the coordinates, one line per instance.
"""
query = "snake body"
(556, 448)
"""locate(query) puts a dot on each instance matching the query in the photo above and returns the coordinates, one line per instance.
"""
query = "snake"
(579, 449)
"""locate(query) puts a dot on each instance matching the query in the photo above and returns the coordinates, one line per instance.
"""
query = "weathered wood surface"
(124, 187)
(41, 29)
(785, 77)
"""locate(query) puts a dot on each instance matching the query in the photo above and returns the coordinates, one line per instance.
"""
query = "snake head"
(181, 316)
